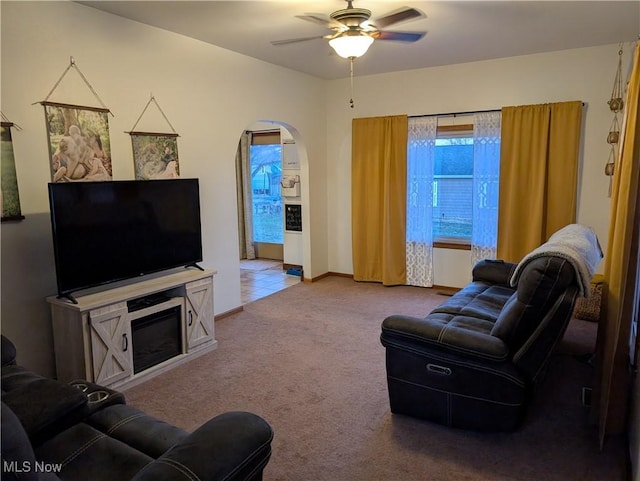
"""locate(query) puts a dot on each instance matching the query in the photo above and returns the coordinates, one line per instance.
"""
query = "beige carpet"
(309, 360)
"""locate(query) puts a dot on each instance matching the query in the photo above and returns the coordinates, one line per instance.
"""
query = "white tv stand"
(93, 338)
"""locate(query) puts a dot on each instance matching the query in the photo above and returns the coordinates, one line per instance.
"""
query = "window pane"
(266, 174)
(453, 186)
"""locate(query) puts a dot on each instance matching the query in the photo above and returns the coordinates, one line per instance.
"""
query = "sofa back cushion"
(542, 281)
(7, 351)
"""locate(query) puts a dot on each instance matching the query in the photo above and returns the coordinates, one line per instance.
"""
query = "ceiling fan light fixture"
(351, 45)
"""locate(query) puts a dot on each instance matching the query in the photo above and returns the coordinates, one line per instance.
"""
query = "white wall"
(210, 95)
(580, 74)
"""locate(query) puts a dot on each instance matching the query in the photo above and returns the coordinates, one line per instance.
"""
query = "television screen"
(110, 231)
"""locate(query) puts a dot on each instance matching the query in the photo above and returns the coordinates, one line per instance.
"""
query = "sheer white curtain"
(420, 159)
(486, 177)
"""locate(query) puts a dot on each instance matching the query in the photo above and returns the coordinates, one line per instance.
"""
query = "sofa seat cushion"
(463, 323)
(83, 453)
(477, 300)
(464, 335)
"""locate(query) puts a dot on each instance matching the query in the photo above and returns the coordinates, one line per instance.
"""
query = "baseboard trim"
(231, 312)
(340, 274)
(309, 280)
(444, 290)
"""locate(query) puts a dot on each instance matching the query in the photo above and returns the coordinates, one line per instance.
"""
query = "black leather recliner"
(475, 360)
(82, 431)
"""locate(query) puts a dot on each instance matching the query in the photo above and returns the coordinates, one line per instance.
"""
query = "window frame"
(265, 138)
(449, 132)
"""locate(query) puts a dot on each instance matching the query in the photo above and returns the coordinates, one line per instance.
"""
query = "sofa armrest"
(454, 336)
(493, 271)
(46, 407)
(234, 446)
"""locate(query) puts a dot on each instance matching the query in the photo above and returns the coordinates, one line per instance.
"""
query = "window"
(453, 177)
(266, 173)
(453, 185)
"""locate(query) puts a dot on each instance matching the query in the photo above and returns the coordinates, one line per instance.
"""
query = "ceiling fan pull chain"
(351, 99)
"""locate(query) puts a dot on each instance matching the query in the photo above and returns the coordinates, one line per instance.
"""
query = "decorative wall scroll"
(155, 155)
(79, 143)
(78, 138)
(9, 198)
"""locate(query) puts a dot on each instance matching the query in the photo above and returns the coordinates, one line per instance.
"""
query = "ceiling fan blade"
(399, 36)
(295, 40)
(325, 22)
(397, 17)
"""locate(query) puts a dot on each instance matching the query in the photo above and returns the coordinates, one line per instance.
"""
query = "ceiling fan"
(353, 32)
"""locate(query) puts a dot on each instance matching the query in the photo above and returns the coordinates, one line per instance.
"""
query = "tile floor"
(261, 278)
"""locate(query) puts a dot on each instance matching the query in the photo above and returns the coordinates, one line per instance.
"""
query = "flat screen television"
(105, 232)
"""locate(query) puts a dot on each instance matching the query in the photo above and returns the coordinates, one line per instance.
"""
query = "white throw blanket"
(577, 244)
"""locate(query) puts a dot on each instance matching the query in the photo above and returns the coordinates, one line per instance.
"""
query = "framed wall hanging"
(155, 155)
(79, 143)
(78, 137)
(9, 197)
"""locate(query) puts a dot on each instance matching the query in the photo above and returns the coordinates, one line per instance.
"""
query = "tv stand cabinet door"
(199, 310)
(111, 343)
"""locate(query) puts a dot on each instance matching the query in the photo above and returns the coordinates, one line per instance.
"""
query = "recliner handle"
(440, 370)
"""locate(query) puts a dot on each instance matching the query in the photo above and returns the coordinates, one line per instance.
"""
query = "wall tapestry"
(79, 143)
(9, 198)
(78, 137)
(155, 156)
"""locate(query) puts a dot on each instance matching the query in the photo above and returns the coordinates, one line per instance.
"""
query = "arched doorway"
(271, 239)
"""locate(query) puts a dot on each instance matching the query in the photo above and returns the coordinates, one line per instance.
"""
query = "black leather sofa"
(85, 432)
(474, 362)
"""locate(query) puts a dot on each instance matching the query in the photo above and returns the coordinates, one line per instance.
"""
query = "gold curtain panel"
(538, 174)
(378, 203)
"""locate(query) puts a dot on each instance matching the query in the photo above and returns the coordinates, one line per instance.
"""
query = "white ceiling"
(457, 31)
